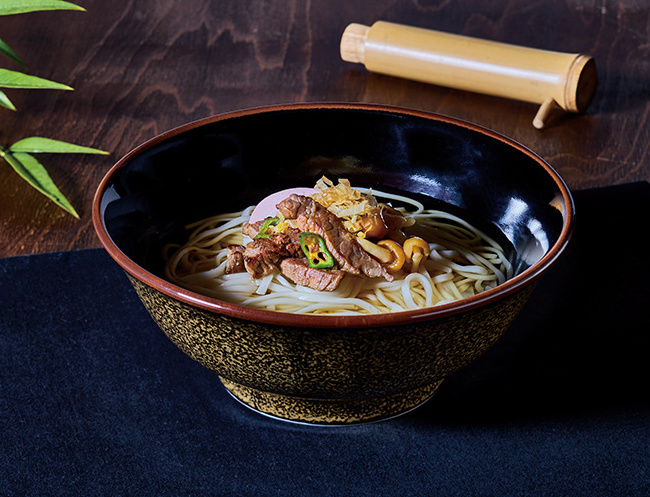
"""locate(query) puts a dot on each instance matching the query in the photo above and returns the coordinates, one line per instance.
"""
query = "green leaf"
(5, 102)
(35, 174)
(15, 79)
(7, 51)
(8, 7)
(36, 144)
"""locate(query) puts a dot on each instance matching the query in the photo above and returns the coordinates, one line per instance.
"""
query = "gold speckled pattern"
(330, 375)
(326, 411)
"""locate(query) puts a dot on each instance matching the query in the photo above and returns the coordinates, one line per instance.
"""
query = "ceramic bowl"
(331, 369)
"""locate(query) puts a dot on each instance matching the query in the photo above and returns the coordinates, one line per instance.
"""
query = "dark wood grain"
(142, 67)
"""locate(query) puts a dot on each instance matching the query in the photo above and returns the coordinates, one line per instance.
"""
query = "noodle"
(463, 262)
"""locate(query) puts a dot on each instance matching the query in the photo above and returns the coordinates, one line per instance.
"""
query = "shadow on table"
(581, 344)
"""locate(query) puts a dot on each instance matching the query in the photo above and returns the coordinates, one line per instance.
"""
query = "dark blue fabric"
(94, 400)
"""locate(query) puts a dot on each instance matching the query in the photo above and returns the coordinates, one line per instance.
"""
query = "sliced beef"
(298, 271)
(290, 240)
(252, 229)
(309, 215)
(262, 255)
(235, 262)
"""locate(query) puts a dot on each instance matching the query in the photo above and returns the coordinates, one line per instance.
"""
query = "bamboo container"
(551, 79)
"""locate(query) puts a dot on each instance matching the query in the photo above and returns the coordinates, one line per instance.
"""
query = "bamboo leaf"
(7, 51)
(5, 102)
(8, 7)
(35, 174)
(15, 79)
(37, 144)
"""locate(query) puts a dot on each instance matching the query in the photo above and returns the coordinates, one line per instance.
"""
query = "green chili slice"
(314, 248)
(265, 231)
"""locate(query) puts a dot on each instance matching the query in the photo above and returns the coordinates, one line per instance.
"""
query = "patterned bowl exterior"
(330, 375)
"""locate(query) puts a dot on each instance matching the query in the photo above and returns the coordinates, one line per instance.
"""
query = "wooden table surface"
(142, 67)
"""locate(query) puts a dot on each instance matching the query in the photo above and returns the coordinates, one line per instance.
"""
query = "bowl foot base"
(328, 411)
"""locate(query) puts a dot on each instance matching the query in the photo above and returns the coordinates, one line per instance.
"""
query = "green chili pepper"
(265, 231)
(314, 248)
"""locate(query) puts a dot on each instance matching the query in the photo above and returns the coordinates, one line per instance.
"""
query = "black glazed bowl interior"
(331, 369)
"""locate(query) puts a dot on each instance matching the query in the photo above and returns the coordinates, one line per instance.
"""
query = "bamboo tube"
(551, 79)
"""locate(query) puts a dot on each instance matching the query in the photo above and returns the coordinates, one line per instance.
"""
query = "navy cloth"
(95, 400)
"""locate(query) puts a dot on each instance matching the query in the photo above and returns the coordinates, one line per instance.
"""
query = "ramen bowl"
(346, 368)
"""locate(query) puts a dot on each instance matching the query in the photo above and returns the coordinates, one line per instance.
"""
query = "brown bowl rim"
(210, 304)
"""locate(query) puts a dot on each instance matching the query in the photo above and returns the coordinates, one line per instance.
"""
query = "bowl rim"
(210, 304)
